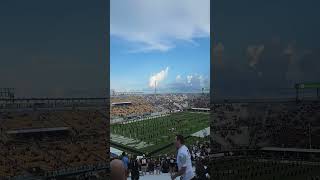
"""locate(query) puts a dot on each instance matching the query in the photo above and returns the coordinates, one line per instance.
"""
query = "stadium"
(275, 138)
(148, 136)
(145, 125)
(53, 138)
(148, 124)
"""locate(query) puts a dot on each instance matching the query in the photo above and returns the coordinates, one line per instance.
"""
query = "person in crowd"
(183, 160)
(134, 167)
(117, 170)
(172, 165)
(158, 166)
(151, 166)
(144, 165)
(200, 170)
(165, 166)
(125, 161)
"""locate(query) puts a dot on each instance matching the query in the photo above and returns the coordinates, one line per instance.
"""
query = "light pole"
(310, 144)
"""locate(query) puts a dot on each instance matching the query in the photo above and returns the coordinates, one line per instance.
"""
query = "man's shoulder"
(183, 150)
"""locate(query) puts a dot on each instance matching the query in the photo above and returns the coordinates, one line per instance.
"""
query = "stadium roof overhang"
(307, 86)
(291, 150)
(303, 86)
(115, 151)
(121, 103)
(36, 130)
(201, 109)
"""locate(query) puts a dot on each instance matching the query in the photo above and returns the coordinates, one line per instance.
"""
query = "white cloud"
(188, 83)
(157, 25)
(254, 53)
(219, 48)
(178, 78)
(294, 73)
(155, 79)
(196, 80)
(189, 78)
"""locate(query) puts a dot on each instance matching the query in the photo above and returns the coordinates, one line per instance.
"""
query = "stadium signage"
(308, 86)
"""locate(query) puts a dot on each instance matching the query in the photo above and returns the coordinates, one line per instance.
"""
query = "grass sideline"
(160, 131)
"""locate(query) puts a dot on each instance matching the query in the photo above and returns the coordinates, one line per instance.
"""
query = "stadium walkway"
(154, 177)
(162, 176)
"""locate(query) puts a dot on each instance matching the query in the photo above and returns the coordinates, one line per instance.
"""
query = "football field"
(158, 133)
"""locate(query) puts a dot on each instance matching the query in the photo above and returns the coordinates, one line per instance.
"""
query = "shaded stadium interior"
(275, 138)
(61, 138)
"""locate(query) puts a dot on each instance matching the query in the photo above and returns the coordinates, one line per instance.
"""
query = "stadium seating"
(147, 104)
(287, 124)
(84, 144)
(245, 168)
(244, 126)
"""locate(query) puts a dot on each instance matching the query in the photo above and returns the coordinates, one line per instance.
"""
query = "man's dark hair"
(180, 138)
(134, 157)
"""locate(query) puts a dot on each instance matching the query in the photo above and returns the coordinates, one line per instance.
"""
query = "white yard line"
(129, 141)
(202, 133)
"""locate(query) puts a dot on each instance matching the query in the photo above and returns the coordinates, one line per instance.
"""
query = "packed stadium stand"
(52, 142)
(252, 168)
(286, 124)
(138, 106)
(146, 104)
(265, 139)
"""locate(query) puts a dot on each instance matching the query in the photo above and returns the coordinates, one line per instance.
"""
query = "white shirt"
(184, 160)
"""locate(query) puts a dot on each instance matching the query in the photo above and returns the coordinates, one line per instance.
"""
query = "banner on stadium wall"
(308, 86)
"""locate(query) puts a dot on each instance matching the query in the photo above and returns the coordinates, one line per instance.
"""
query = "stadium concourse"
(53, 138)
(154, 177)
(265, 139)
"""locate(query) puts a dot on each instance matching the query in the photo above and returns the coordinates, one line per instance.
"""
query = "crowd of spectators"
(253, 167)
(143, 105)
(254, 125)
(83, 144)
(138, 107)
(137, 166)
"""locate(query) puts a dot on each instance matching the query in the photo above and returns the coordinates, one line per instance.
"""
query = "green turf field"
(189, 141)
(159, 132)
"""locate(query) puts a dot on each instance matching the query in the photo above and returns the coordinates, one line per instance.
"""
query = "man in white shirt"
(183, 160)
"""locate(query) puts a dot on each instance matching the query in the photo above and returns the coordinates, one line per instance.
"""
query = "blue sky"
(167, 42)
